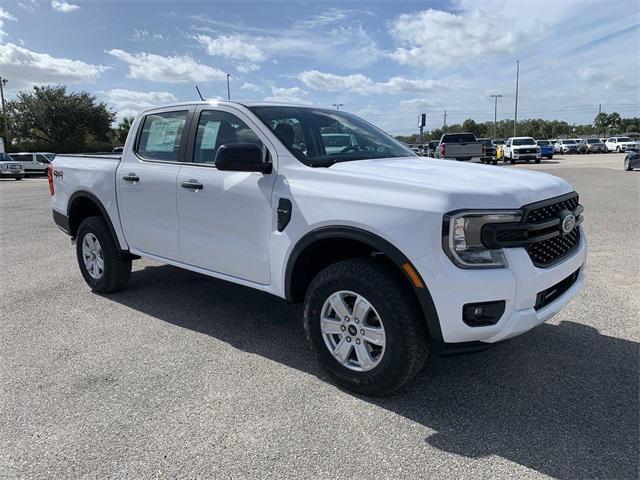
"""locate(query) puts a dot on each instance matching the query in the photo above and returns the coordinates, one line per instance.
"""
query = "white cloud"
(4, 15)
(288, 95)
(29, 5)
(235, 47)
(129, 103)
(252, 87)
(172, 69)
(139, 35)
(363, 85)
(63, 7)
(247, 67)
(27, 68)
(434, 37)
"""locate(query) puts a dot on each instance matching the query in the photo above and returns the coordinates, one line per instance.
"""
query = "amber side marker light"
(413, 275)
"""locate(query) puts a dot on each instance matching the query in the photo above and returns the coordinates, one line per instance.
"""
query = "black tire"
(512, 161)
(495, 162)
(538, 160)
(627, 164)
(18, 178)
(406, 348)
(117, 267)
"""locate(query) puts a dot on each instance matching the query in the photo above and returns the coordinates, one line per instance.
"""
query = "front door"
(225, 217)
(146, 180)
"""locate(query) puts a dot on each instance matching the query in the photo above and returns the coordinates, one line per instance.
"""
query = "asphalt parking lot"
(183, 376)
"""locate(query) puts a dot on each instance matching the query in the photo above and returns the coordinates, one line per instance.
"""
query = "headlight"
(462, 239)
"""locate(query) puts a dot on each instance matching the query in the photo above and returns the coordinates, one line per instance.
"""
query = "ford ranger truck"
(393, 256)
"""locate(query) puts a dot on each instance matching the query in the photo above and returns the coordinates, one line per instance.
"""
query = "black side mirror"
(242, 157)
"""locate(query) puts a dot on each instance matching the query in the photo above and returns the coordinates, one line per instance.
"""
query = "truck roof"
(232, 103)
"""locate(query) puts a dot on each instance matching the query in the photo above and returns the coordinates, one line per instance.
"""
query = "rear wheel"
(367, 329)
(103, 266)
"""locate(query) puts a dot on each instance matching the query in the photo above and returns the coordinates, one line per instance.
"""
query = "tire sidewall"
(97, 227)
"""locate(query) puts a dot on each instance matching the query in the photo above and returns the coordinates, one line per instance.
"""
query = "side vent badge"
(284, 213)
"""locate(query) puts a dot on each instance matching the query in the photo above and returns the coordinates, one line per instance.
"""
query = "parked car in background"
(564, 145)
(500, 152)
(631, 161)
(459, 146)
(488, 151)
(521, 148)
(392, 256)
(34, 162)
(621, 144)
(593, 145)
(546, 148)
(10, 168)
(432, 146)
(339, 142)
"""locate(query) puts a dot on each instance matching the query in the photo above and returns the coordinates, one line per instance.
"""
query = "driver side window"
(217, 128)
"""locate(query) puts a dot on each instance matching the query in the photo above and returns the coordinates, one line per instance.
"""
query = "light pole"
(515, 115)
(3, 82)
(337, 105)
(495, 114)
(228, 89)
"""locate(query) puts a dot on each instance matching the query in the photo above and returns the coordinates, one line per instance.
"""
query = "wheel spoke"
(342, 351)
(96, 270)
(330, 326)
(373, 335)
(361, 308)
(86, 249)
(338, 305)
(363, 356)
(100, 262)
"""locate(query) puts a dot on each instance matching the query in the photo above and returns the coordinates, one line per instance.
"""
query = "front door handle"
(192, 184)
(131, 177)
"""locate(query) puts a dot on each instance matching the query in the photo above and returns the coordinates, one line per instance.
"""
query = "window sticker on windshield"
(163, 133)
(210, 135)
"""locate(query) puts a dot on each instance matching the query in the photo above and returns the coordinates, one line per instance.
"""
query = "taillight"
(50, 178)
(442, 149)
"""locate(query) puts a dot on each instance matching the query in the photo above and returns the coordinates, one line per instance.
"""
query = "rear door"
(225, 217)
(146, 182)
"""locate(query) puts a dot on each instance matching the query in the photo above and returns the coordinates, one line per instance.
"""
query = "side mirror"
(242, 157)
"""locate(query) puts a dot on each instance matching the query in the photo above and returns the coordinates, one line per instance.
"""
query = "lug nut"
(356, 320)
(348, 339)
(343, 328)
(358, 341)
(346, 319)
(362, 332)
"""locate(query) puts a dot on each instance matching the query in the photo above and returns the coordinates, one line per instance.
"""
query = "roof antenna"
(201, 97)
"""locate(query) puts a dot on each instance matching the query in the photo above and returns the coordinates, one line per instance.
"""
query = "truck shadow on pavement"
(561, 400)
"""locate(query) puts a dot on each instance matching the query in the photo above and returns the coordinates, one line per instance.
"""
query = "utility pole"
(495, 114)
(515, 115)
(228, 89)
(337, 105)
(3, 82)
(600, 119)
(444, 124)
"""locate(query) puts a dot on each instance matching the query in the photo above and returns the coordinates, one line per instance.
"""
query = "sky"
(387, 61)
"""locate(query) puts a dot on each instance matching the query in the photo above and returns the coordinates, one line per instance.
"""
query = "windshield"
(320, 138)
(569, 142)
(543, 142)
(5, 158)
(50, 156)
(593, 140)
(624, 139)
(486, 142)
(524, 141)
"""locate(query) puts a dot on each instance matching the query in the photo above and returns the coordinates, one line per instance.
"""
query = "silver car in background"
(10, 168)
(34, 162)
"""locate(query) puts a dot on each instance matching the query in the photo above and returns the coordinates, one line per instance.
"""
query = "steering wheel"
(349, 148)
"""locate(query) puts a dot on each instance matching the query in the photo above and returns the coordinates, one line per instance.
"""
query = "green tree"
(122, 130)
(49, 118)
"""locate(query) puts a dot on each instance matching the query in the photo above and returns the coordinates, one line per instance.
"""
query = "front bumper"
(526, 156)
(519, 284)
(12, 173)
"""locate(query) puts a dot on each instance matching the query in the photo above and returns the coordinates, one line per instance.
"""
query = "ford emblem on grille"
(568, 222)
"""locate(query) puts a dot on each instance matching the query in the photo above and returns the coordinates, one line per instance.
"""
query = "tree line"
(604, 124)
(48, 118)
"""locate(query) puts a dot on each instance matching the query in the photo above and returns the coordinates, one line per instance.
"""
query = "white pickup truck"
(393, 255)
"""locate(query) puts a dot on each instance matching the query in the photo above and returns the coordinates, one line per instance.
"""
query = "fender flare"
(379, 244)
(90, 196)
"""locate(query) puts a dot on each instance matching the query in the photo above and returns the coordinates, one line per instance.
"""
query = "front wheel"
(367, 329)
(18, 178)
(627, 164)
(537, 160)
(103, 266)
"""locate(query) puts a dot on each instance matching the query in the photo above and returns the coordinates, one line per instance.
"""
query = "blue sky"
(385, 60)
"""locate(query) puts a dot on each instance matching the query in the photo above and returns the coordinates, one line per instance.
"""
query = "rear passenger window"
(22, 158)
(216, 128)
(161, 136)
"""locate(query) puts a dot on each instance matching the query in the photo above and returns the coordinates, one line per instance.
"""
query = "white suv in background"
(521, 148)
(34, 162)
(621, 144)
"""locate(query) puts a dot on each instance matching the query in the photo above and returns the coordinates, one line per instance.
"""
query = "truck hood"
(457, 184)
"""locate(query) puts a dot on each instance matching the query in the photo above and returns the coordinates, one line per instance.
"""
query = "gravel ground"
(183, 376)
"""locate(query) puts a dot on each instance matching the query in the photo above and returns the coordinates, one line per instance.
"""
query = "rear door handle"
(192, 184)
(131, 177)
